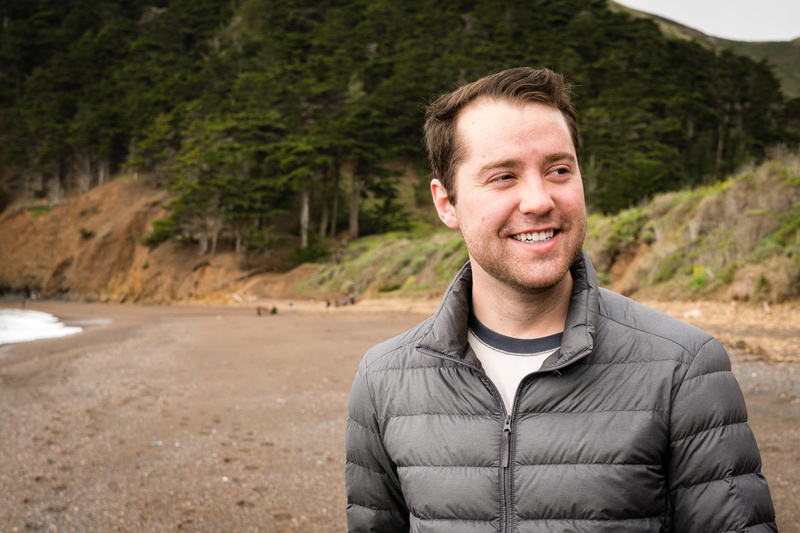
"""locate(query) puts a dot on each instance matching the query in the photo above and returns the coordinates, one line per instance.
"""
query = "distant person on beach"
(27, 294)
(533, 400)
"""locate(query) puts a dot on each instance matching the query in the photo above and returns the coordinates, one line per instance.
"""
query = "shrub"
(312, 253)
(163, 229)
(668, 267)
(726, 276)
(626, 229)
(699, 280)
(762, 283)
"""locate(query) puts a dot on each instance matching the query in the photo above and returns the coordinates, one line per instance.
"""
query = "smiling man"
(532, 400)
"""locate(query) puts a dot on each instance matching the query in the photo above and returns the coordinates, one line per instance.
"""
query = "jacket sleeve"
(374, 499)
(714, 474)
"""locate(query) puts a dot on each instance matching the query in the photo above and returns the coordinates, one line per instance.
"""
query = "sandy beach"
(196, 418)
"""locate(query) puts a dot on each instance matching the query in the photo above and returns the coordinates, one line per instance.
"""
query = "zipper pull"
(506, 441)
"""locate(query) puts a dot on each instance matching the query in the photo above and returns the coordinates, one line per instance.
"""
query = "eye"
(560, 172)
(500, 178)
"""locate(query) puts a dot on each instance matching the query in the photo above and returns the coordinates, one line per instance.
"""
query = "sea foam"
(17, 325)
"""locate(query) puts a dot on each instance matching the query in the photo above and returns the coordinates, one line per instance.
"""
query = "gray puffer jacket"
(637, 425)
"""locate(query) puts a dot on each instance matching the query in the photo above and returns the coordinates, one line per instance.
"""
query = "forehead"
(489, 110)
(489, 123)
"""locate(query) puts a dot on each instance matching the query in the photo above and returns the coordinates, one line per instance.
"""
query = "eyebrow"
(558, 156)
(504, 163)
(510, 163)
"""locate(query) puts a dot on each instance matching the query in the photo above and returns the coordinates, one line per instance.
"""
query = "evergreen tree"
(253, 108)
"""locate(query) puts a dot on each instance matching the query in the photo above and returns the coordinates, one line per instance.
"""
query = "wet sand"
(193, 418)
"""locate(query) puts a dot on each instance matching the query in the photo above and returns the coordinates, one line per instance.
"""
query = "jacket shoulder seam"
(377, 509)
(369, 362)
(706, 430)
(707, 374)
(362, 426)
(653, 334)
(709, 481)
(738, 530)
(368, 469)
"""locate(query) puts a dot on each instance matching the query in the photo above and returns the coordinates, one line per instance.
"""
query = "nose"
(534, 197)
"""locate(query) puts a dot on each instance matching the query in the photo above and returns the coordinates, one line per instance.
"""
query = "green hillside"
(737, 239)
(783, 56)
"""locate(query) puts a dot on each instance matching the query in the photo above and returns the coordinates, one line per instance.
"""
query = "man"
(533, 400)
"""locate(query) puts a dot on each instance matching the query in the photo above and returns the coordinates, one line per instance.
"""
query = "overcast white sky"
(739, 20)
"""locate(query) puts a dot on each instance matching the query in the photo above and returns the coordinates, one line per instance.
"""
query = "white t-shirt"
(507, 360)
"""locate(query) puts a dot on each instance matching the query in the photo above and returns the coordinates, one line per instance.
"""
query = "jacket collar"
(447, 333)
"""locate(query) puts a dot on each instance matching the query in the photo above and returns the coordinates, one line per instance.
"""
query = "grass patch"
(625, 230)
(394, 262)
(668, 267)
(699, 280)
(38, 211)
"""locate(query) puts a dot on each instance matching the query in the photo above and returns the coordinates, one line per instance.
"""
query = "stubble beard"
(532, 278)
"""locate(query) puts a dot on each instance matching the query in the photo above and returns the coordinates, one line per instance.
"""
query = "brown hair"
(516, 85)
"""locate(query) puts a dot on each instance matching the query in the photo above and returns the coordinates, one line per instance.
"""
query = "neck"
(512, 313)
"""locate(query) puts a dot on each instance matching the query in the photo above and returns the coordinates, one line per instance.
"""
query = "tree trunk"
(55, 192)
(305, 216)
(216, 228)
(103, 170)
(335, 206)
(238, 239)
(355, 196)
(203, 240)
(323, 218)
(720, 148)
(82, 173)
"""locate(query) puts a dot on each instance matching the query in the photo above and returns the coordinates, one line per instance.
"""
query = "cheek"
(573, 201)
(488, 208)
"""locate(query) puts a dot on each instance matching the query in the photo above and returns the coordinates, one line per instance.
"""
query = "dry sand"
(190, 418)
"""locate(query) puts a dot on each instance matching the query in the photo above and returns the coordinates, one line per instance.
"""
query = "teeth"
(536, 236)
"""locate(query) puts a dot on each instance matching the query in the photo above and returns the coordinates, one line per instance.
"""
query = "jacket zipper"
(506, 460)
(505, 455)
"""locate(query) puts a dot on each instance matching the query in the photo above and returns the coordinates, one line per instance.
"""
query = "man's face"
(520, 204)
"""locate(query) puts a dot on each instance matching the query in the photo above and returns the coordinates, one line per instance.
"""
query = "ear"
(446, 210)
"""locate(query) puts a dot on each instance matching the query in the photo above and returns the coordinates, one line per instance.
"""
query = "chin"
(527, 282)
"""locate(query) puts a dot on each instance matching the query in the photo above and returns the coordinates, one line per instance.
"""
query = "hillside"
(783, 56)
(255, 109)
(734, 240)
(87, 248)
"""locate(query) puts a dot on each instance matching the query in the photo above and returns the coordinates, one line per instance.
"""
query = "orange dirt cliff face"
(87, 247)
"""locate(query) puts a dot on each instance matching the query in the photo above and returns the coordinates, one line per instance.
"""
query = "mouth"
(536, 236)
